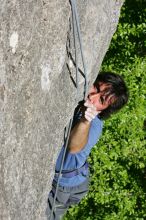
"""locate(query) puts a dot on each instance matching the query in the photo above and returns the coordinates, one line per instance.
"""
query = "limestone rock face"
(37, 93)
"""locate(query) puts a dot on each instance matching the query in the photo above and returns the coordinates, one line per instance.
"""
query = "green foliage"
(118, 161)
(129, 41)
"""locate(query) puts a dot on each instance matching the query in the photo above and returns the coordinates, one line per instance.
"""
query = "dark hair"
(117, 88)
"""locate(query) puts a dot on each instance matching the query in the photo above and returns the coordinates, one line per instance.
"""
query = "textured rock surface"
(37, 94)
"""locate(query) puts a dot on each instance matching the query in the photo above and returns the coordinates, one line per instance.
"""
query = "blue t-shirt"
(77, 160)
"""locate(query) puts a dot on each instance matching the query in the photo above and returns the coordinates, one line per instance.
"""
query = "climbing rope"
(76, 24)
(76, 34)
(76, 29)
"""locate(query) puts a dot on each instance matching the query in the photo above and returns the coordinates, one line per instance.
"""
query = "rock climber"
(108, 94)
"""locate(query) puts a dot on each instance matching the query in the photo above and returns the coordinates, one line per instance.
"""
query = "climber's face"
(100, 97)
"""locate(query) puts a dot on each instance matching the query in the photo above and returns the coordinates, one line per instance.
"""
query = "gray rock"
(37, 93)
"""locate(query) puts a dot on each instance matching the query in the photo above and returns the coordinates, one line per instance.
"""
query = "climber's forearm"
(79, 136)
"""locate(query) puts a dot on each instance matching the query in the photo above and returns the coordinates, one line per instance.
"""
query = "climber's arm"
(79, 134)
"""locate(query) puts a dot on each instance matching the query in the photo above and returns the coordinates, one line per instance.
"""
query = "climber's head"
(108, 94)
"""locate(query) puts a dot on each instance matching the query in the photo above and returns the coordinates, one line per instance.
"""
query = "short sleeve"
(94, 135)
(74, 161)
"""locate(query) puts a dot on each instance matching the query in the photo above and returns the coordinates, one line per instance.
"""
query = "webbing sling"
(76, 33)
(69, 174)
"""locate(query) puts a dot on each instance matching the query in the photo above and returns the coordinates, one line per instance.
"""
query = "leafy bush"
(118, 161)
(129, 41)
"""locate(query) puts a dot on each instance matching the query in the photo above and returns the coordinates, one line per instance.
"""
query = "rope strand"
(81, 46)
(59, 176)
(76, 32)
(75, 45)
